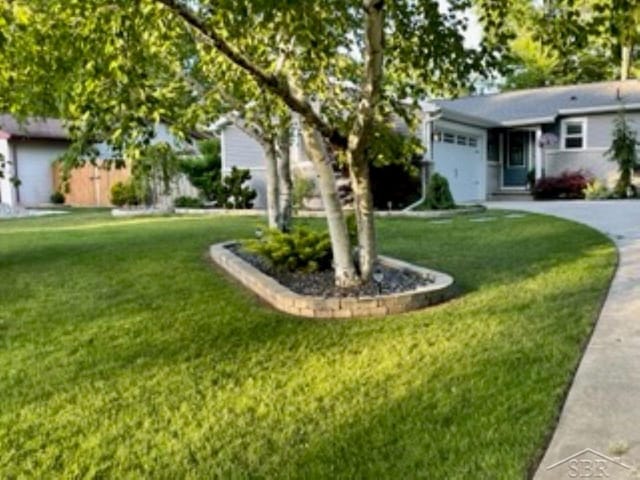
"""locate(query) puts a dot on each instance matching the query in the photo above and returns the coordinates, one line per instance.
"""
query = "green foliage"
(57, 198)
(187, 202)
(395, 169)
(232, 192)
(438, 193)
(303, 189)
(623, 150)
(564, 42)
(596, 190)
(301, 250)
(129, 193)
(157, 166)
(204, 171)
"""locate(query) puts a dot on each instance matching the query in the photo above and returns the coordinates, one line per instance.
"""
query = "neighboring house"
(486, 145)
(240, 150)
(30, 150)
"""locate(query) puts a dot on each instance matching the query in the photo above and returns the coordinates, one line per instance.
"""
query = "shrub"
(596, 190)
(438, 194)
(303, 189)
(204, 172)
(231, 192)
(57, 198)
(126, 193)
(623, 151)
(568, 185)
(187, 202)
(302, 249)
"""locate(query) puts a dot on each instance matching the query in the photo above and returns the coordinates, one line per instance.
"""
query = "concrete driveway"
(602, 410)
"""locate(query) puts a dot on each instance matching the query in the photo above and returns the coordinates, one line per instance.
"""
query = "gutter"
(601, 109)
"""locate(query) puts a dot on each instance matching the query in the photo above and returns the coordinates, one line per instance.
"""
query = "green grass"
(125, 354)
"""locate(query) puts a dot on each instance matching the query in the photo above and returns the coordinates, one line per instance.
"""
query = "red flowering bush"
(568, 185)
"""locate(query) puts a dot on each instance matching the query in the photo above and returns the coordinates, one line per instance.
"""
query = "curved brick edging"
(288, 301)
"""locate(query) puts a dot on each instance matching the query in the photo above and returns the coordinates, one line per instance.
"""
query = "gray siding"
(591, 161)
(240, 150)
(599, 129)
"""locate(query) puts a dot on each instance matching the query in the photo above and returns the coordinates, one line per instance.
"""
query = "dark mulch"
(321, 284)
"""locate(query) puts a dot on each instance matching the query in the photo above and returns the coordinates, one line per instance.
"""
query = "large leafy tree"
(113, 67)
(559, 42)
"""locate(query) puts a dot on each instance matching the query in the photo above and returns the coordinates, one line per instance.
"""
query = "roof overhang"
(599, 109)
(455, 116)
(524, 122)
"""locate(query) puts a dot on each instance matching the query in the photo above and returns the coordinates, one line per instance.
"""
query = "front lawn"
(125, 354)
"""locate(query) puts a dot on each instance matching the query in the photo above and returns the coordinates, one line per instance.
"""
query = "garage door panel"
(34, 162)
(460, 163)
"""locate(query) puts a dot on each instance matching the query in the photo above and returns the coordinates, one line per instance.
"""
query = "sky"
(473, 34)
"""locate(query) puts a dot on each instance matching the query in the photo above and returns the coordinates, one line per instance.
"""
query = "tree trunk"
(359, 137)
(273, 210)
(625, 65)
(365, 220)
(345, 272)
(285, 181)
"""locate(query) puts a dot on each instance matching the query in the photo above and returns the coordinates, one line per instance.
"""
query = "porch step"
(511, 196)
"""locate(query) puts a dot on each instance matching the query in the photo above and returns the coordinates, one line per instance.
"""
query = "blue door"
(519, 158)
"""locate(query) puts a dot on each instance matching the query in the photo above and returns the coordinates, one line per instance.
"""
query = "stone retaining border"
(321, 213)
(293, 303)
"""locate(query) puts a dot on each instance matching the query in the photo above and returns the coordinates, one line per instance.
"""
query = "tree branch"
(274, 83)
(372, 78)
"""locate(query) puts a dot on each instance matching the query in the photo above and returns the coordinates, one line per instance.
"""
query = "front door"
(519, 158)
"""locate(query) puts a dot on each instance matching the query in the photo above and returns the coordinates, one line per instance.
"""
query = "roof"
(544, 105)
(49, 128)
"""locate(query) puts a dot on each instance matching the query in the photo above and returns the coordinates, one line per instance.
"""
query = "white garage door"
(34, 161)
(458, 157)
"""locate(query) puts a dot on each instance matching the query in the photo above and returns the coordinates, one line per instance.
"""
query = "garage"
(34, 160)
(458, 156)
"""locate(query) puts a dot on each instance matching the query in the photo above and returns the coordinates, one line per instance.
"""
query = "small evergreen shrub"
(438, 193)
(597, 190)
(204, 171)
(623, 151)
(126, 193)
(57, 198)
(568, 185)
(301, 250)
(188, 202)
(231, 192)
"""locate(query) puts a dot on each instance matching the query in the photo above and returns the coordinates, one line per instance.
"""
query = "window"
(473, 142)
(574, 134)
(448, 137)
(461, 140)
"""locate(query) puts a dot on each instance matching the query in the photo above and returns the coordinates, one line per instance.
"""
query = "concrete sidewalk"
(602, 410)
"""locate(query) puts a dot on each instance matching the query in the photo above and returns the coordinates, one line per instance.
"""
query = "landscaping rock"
(321, 284)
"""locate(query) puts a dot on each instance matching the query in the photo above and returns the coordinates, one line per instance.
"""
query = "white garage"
(459, 155)
(34, 167)
(29, 149)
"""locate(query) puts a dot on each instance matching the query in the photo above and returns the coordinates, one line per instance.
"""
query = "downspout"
(427, 132)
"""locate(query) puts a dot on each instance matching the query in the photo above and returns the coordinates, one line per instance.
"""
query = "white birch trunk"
(345, 272)
(271, 163)
(360, 134)
(285, 182)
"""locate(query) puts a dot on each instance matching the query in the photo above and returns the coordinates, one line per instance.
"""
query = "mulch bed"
(321, 284)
